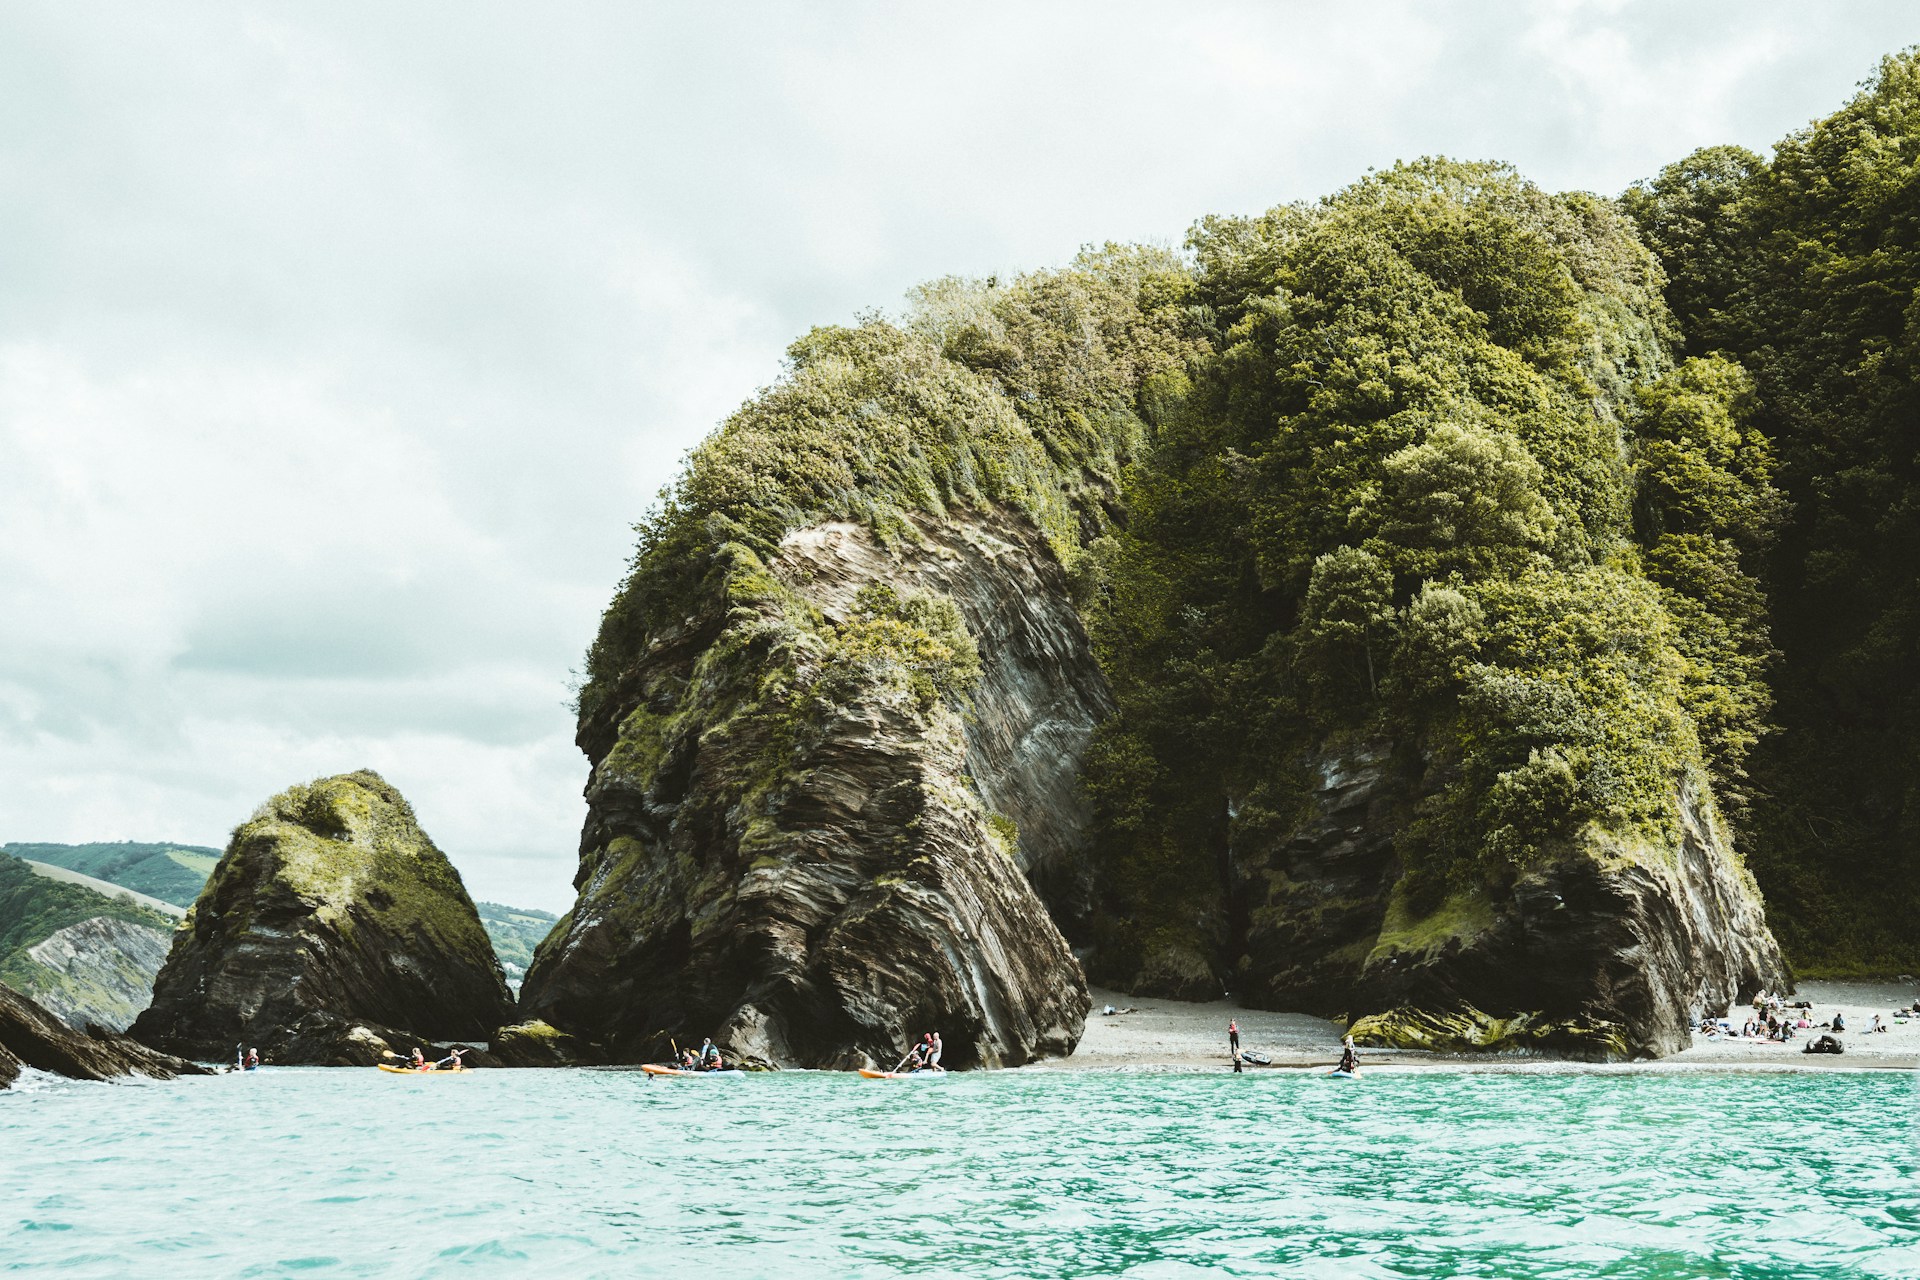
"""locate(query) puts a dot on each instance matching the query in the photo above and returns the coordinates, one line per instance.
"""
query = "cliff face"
(329, 901)
(99, 972)
(1612, 949)
(798, 845)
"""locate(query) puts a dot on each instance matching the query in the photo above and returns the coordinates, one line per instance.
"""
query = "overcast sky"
(340, 347)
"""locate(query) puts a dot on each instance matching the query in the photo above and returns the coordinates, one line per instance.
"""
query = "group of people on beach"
(1349, 1064)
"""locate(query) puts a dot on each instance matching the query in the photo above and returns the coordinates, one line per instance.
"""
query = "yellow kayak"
(412, 1071)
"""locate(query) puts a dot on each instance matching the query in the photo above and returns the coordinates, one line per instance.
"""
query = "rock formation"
(98, 972)
(791, 846)
(329, 901)
(1610, 951)
(32, 1037)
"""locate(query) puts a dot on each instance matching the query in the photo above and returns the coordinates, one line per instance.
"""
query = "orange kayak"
(409, 1071)
(870, 1074)
(654, 1069)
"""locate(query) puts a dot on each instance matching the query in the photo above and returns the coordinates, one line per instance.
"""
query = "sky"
(342, 345)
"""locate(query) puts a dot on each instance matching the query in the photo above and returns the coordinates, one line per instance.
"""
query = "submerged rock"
(98, 972)
(795, 842)
(330, 900)
(30, 1036)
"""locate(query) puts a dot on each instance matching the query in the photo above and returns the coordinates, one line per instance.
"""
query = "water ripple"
(1528, 1176)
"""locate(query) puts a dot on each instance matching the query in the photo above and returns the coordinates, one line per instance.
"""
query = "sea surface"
(1029, 1174)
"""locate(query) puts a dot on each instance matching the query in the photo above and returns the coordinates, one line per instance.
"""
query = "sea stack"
(330, 906)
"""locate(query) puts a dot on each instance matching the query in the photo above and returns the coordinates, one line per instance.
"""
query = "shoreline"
(1158, 1036)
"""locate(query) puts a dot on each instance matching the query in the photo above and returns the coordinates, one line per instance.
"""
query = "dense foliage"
(1559, 503)
(1805, 269)
(1397, 508)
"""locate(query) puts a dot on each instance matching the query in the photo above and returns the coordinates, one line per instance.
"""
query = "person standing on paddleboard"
(934, 1050)
(1349, 1058)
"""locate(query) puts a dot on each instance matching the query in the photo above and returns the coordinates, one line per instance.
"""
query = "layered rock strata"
(98, 972)
(329, 901)
(791, 846)
(30, 1036)
(1612, 950)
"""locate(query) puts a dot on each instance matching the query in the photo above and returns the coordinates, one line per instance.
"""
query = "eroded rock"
(329, 901)
(793, 847)
(31, 1036)
(98, 972)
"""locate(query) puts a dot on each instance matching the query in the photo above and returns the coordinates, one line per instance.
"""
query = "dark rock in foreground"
(329, 901)
(789, 843)
(32, 1037)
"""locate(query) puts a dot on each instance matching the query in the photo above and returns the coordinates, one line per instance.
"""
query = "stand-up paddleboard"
(1337, 1074)
(655, 1069)
(415, 1071)
(870, 1074)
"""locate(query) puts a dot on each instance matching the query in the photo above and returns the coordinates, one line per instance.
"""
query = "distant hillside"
(96, 954)
(515, 932)
(175, 873)
(171, 872)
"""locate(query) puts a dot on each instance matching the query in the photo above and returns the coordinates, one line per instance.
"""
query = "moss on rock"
(329, 900)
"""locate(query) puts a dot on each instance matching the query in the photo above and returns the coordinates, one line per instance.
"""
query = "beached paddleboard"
(871, 1074)
(411, 1071)
(654, 1069)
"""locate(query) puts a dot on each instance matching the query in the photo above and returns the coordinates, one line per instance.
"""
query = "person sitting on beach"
(1876, 1025)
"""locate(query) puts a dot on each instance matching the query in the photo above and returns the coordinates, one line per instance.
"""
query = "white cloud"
(340, 346)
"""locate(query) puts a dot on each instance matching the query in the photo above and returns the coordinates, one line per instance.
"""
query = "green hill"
(171, 872)
(108, 990)
(515, 932)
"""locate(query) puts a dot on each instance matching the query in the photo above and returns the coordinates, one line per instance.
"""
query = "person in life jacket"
(1349, 1057)
(419, 1061)
(253, 1059)
(709, 1056)
(934, 1050)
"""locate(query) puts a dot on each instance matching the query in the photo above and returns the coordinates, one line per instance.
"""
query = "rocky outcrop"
(1611, 950)
(329, 901)
(30, 1036)
(328, 1040)
(797, 845)
(98, 972)
(539, 1044)
(1040, 694)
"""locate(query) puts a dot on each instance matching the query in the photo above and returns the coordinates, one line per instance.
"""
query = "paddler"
(419, 1061)
(451, 1062)
(710, 1055)
(934, 1050)
(1349, 1058)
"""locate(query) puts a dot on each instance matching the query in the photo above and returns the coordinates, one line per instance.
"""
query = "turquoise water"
(590, 1173)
